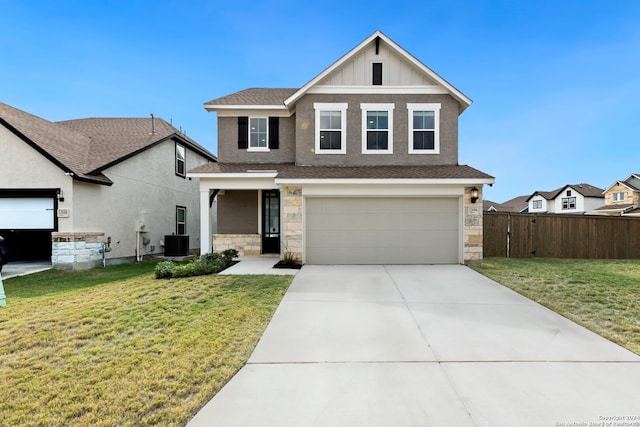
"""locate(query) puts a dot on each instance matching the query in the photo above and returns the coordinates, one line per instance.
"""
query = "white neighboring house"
(570, 199)
(69, 188)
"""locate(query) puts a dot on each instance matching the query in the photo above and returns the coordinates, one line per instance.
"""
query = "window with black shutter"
(243, 132)
(274, 133)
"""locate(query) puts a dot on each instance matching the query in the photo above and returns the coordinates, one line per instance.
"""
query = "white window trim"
(184, 161)
(257, 149)
(340, 106)
(435, 107)
(377, 107)
(184, 223)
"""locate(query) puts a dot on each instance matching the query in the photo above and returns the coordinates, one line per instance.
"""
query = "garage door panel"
(381, 230)
(27, 213)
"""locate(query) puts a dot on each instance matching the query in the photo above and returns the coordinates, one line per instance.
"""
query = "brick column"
(76, 251)
(472, 228)
(292, 221)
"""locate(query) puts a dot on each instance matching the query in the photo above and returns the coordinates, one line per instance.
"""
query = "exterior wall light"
(474, 195)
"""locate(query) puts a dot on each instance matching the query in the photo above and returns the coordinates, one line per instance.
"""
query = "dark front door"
(270, 222)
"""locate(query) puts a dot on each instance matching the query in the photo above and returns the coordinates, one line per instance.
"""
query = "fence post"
(508, 235)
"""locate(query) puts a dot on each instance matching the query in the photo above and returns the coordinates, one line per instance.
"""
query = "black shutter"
(377, 73)
(243, 132)
(274, 132)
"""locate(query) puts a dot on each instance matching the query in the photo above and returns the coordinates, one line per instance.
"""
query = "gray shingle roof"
(255, 96)
(292, 171)
(620, 207)
(87, 146)
(114, 139)
(587, 190)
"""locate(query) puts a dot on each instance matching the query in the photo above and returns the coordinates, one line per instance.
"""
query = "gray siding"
(305, 131)
(238, 212)
(228, 151)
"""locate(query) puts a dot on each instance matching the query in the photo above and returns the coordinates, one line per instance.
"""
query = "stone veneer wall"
(245, 244)
(76, 251)
(472, 228)
(292, 221)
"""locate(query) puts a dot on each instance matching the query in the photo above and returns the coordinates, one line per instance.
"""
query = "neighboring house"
(517, 204)
(69, 187)
(622, 198)
(570, 199)
(358, 166)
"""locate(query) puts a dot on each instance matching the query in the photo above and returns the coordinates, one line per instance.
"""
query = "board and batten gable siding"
(305, 131)
(145, 187)
(396, 71)
(228, 151)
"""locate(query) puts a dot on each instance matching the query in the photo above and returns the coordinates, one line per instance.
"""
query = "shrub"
(230, 253)
(206, 264)
(164, 269)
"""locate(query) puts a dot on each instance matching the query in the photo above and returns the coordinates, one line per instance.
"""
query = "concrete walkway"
(258, 265)
(423, 346)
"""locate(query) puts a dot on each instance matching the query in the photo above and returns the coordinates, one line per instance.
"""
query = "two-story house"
(622, 198)
(71, 190)
(570, 199)
(358, 166)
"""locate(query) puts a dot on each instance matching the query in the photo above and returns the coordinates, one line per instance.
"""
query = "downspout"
(138, 256)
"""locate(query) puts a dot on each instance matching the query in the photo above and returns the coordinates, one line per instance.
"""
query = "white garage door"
(382, 230)
(29, 213)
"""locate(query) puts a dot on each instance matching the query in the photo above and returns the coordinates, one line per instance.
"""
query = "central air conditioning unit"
(176, 245)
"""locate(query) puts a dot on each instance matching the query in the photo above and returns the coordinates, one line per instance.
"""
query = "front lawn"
(115, 346)
(603, 296)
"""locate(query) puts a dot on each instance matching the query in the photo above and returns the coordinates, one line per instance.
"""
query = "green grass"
(115, 346)
(603, 296)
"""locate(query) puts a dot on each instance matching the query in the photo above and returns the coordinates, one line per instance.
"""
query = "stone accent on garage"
(292, 221)
(76, 251)
(472, 228)
(245, 244)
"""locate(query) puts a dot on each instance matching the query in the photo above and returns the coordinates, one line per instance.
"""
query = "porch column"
(205, 222)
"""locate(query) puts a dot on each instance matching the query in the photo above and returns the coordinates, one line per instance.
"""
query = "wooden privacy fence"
(518, 235)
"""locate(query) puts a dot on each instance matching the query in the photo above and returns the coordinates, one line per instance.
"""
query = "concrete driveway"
(22, 268)
(423, 346)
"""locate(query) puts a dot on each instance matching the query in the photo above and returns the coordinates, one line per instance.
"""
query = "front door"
(270, 222)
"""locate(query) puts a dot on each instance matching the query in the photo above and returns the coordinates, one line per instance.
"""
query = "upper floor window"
(617, 197)
(569, 203)
(537, 204)
(377, 128)
(258, 134)
(180, 160)
(568, 193)
(424, 128)
(331, 128)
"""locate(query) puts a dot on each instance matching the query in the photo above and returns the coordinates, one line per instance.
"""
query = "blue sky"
(555, 84)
